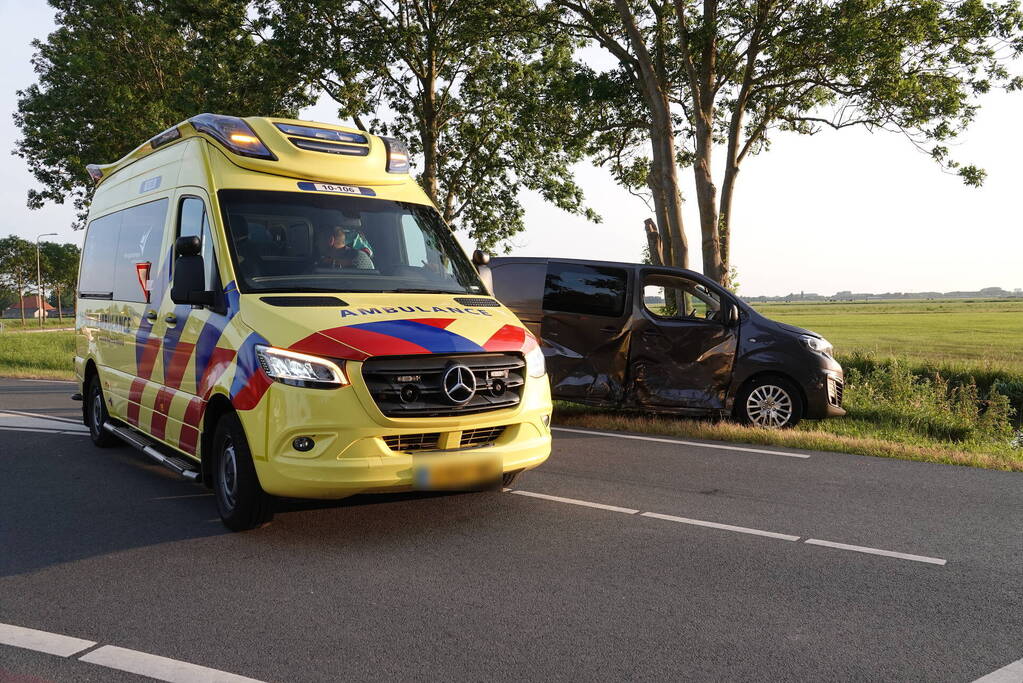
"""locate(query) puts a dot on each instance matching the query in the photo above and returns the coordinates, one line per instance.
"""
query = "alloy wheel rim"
(228, 475)
(769, 406)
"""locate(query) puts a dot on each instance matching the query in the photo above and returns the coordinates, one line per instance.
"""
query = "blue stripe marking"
(212, 331)
(247, 362)
(434, 339)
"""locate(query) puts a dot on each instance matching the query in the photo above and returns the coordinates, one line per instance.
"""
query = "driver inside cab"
(343, 245)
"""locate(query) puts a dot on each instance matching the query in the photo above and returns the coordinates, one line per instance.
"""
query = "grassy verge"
(895, 410)
(47, 355)
(14, 324)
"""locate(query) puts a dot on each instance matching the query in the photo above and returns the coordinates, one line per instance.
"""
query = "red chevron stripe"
(250, 395)
(134, 398)
(376, 344)
(508, 338)
(158, 426)
(173, 373)
(220, 361)
(190, 428)
(152, 346)
(319, 344)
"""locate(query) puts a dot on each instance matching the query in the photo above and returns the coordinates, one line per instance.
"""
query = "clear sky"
(838, 211)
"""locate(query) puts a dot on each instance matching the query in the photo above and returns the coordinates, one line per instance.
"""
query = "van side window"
(592, 290)
(679, 298)
(193, 221)
(141, 237)
(96, 279)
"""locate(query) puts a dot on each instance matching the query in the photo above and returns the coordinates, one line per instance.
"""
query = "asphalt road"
(619, 559)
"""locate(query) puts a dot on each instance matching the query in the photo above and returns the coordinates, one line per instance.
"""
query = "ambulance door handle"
(150, 315)
(171, 319)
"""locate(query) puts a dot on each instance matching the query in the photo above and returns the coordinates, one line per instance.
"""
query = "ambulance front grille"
(412, 442)
(411, 386)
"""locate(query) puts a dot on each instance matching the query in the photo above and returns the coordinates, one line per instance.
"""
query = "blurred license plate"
(459, 472)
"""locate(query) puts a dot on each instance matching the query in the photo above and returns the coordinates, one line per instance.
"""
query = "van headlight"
(818, 344)
(535, 365)
(300, 370)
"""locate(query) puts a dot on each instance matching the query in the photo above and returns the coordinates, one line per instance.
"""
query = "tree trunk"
(21, 299)
(725, 221)
(653, 242)
(706, 196)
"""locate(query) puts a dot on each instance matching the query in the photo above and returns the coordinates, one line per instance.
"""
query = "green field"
(980, 334)
(940, 381)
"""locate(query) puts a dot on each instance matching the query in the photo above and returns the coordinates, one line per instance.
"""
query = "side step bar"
(173, 463)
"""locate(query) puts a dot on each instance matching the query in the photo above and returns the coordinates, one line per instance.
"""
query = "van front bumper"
(824, 394)
(351, 453)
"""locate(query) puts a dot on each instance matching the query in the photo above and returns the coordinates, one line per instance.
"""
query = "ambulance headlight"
(535, 365)
(300, 370)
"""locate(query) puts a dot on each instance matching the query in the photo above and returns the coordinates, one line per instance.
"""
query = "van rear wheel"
(241, 501)
(769, 402)
(96, 415)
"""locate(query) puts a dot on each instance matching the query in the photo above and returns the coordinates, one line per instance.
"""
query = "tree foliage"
(482, 91)
(116, 72)
(17, 265)
(738, 71)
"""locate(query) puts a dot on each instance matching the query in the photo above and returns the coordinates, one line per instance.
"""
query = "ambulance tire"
(241, 501)
(96, 415)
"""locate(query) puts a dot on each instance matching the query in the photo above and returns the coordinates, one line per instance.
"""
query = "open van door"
(683, 344)
(585, 316)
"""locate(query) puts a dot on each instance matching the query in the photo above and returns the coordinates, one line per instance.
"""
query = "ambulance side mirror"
(189, 286)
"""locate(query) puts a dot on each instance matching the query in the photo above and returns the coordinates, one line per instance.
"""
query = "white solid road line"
(1011, 673)
(573, 501)
(160, 668)
(44, 416)
(42, 641)
(716, 525)
(876, 551)
(698, 444)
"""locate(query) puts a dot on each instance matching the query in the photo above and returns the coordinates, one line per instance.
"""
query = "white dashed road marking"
(573, 501)
(726, 527)
(42, 641)
(112, 657)
(1011, 673)
(697, 444)
(731, 527)
(160, 668)
(875, 551)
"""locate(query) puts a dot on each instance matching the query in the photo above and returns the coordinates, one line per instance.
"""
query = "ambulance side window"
(96, 276)
(138, 249)
(193, 221)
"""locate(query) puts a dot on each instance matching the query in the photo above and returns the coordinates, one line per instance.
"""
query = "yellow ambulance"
(275, 308)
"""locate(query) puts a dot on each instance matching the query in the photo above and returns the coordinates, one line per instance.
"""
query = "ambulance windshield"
(311, 242)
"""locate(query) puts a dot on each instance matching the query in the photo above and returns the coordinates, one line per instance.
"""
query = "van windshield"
(305, 242)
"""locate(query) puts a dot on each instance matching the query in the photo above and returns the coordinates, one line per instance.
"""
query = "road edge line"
(42, 641)
(681, 442)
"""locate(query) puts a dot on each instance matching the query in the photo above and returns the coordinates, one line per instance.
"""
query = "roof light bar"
(321, 133)
(233, 133)
(94, 172)
(166, 136)
(397, 155)
(329, 147)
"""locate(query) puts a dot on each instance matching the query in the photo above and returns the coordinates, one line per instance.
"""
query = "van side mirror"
(733, 315)
(480, 258)
(189, 286)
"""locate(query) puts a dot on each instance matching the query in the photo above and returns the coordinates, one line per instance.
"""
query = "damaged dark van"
(667, 340)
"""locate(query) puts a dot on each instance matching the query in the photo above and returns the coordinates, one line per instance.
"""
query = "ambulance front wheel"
(241, 501)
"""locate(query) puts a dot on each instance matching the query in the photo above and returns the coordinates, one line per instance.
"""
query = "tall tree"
(115, 72)
(737, 71)
(60, 270)
(17, 266)
(631, 107)
(478, 89)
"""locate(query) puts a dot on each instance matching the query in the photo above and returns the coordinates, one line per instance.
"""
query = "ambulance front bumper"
(357, 450)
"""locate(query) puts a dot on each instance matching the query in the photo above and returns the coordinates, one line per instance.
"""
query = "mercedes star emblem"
(459, 384)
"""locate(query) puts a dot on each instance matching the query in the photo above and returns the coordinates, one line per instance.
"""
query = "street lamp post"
(39, 279)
